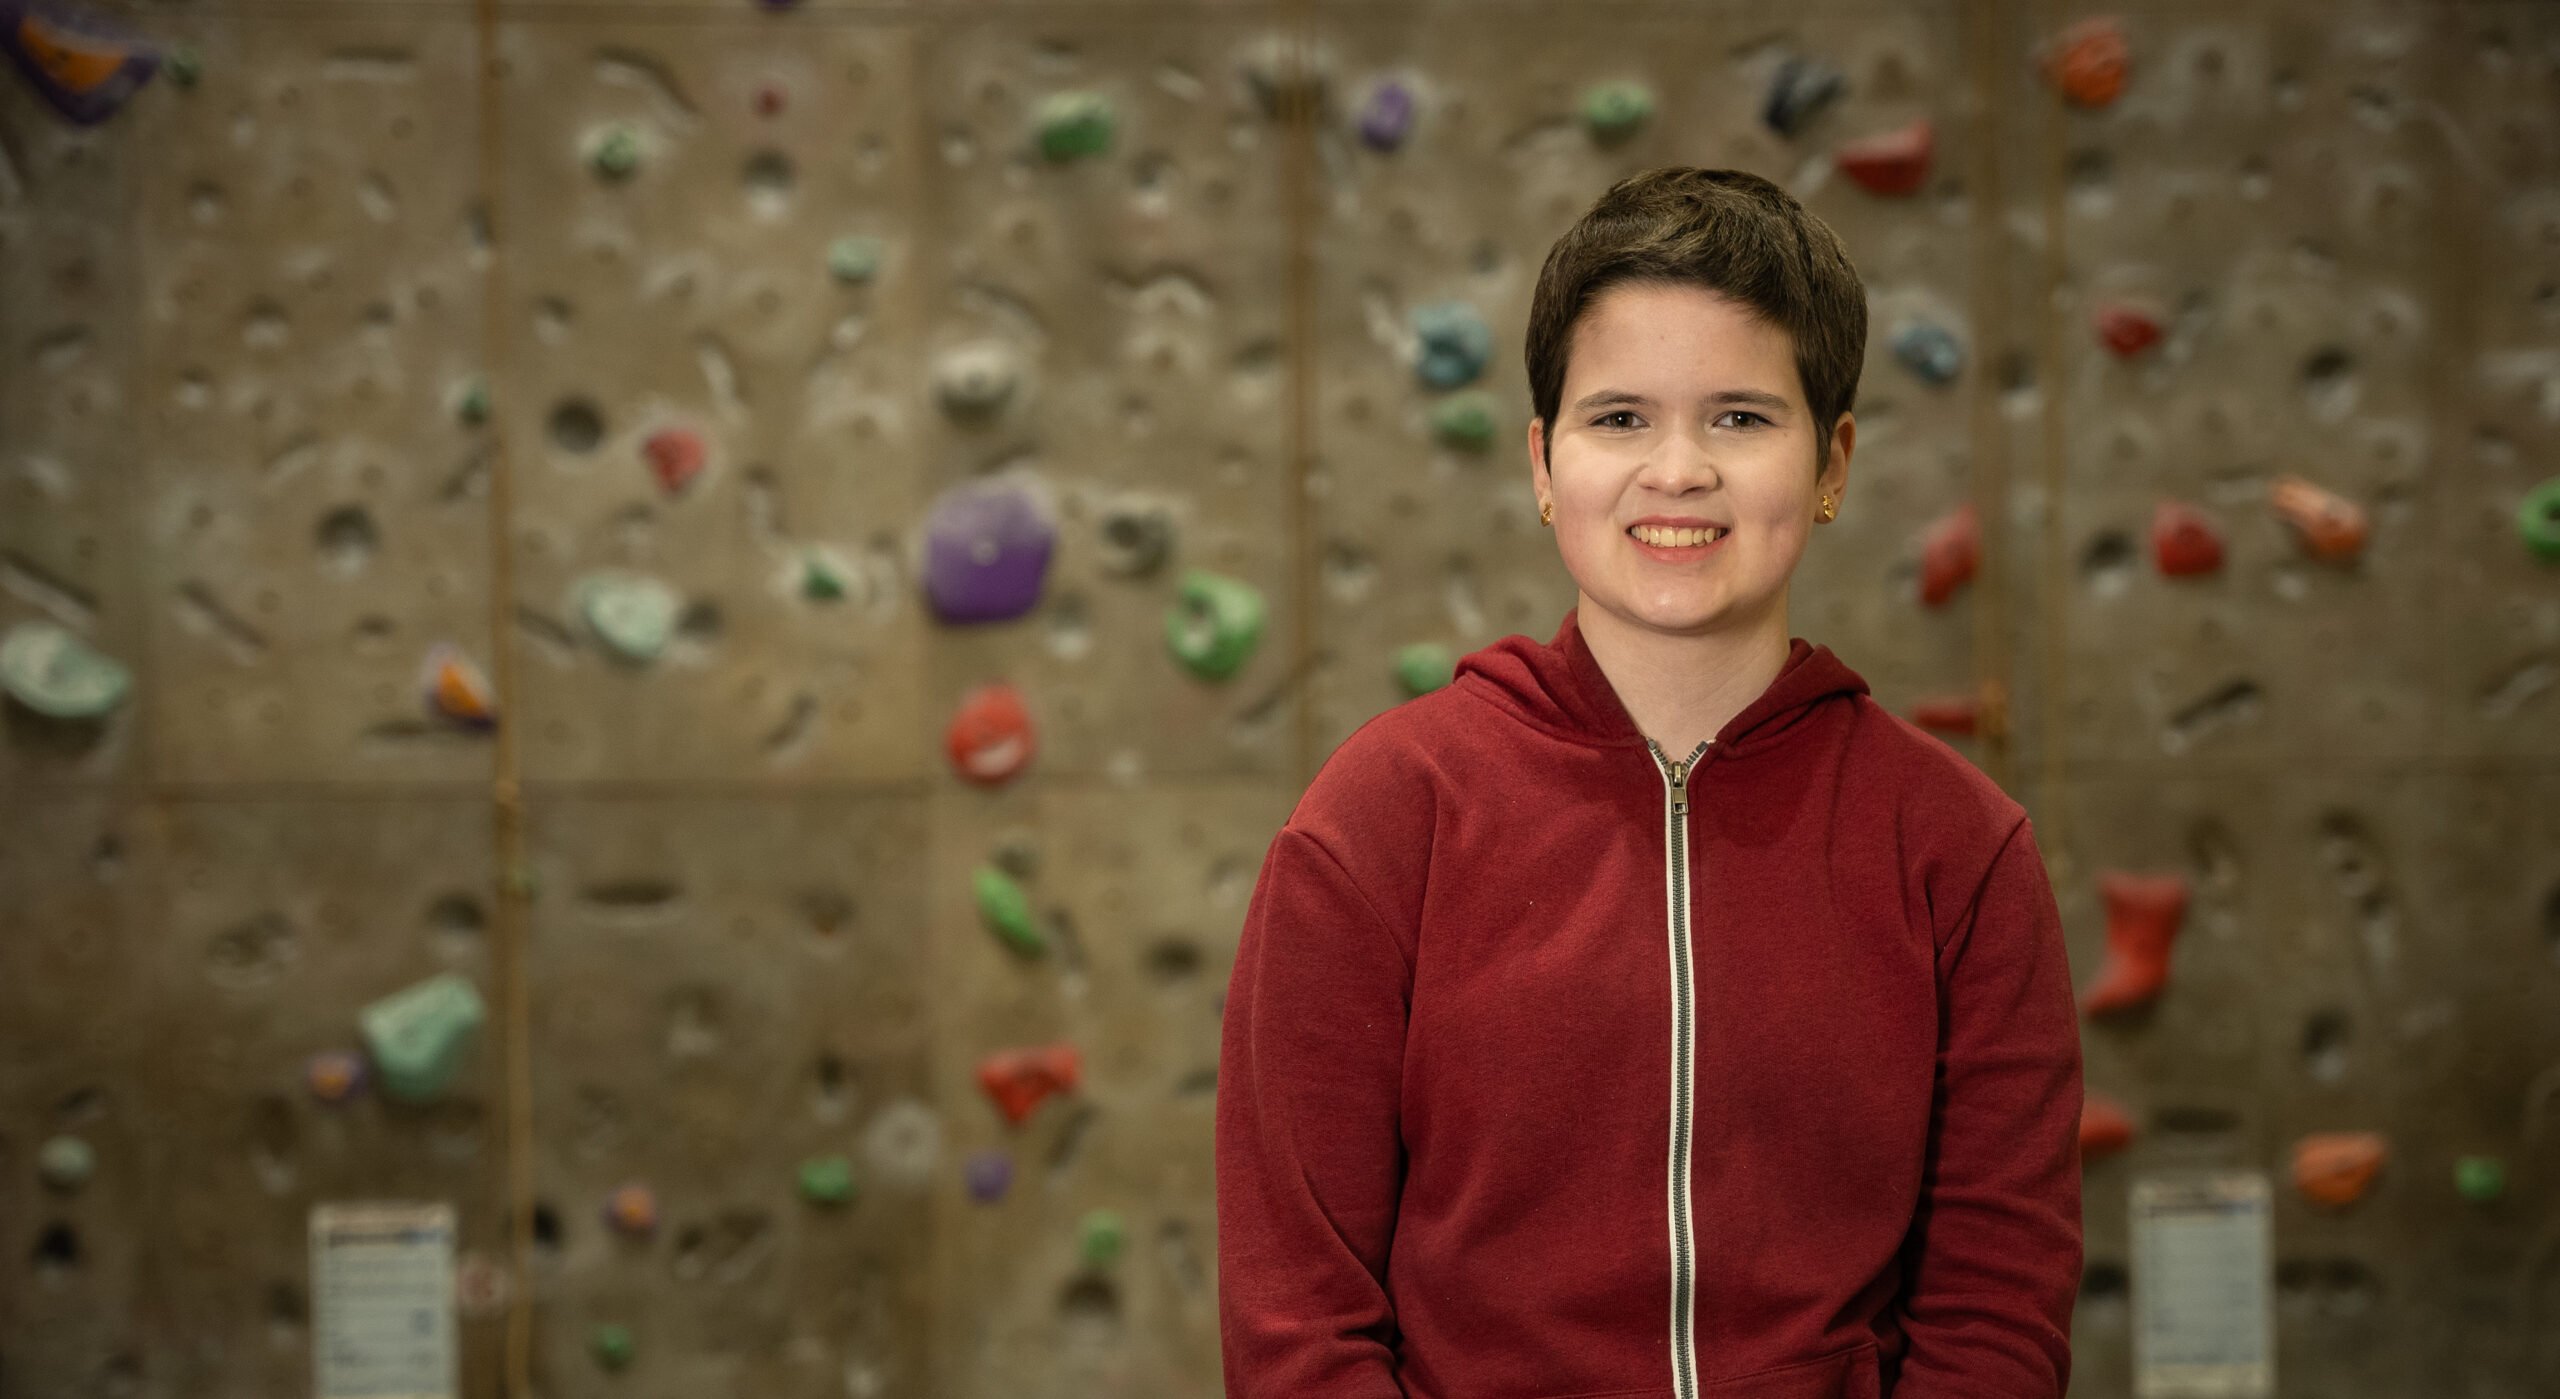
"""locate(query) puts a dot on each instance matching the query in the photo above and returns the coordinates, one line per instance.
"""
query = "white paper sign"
(2203, 1294)
(382, 1301)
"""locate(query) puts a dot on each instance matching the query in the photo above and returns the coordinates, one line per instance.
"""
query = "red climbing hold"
(2329, 525)
(2336, 1168)
(1896, 162)
(2143, 914)
(2184, 542)
(1948, 714)
(675, 457)
(2088, 61)
(991, 738)
(2105, 1127)
(1020, 1080)
(1950, 554)
(770, 100)
(2127, 329)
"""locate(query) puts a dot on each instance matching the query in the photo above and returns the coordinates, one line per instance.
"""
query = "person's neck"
(1683, 690)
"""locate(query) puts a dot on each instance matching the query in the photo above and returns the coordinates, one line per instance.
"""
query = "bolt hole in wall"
(937, 490)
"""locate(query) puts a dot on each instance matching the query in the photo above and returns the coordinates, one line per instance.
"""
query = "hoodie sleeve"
(1992, 1263)
(1310, 1158)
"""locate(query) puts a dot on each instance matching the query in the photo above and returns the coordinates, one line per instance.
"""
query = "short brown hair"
(1731, 232)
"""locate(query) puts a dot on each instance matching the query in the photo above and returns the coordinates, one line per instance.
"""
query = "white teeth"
(1675, 538)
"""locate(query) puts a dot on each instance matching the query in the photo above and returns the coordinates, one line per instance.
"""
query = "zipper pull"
(1680, 789)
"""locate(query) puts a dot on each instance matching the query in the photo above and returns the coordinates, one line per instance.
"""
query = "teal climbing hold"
(418, 1036)
(1425, 666)
(1465, 420)
(854, 258)
(1455, 343)
(2539, 518)
(630, 612)
(1929, 350)
(1613, 110)
(66, 1163)
(1215, 625)
(1103, 1237)
(53, 672)
(1006, 910)
(1075, 124)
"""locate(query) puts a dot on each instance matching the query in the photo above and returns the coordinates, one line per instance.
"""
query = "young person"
(1649, 1011)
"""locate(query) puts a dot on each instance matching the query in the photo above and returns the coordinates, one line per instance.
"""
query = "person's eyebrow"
(1758, 399)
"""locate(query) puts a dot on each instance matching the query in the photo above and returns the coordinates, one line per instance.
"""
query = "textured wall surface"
(718, 896)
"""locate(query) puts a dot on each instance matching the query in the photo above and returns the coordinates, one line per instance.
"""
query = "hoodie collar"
(1559, 686)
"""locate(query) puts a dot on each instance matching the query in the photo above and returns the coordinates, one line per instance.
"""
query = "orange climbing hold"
(2329, 525)
(2105, 1127)
(2184, 542)
(2336, 1168)
(457, 690)
(991, 739)
(1896, 162)
(2127, 329)
(1020, 1080)
(2088, 61)
(2143, 914)
(1951, 554)
(1948, 714)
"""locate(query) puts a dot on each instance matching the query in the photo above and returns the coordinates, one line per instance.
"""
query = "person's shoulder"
(1385, 772)
(1928, 779)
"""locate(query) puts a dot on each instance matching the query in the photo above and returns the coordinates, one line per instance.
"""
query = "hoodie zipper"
(1684, 1271)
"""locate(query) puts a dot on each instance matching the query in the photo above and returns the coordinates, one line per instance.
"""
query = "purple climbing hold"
(84, 62)
(1388, 117)
(987, 547)
(990, 1174)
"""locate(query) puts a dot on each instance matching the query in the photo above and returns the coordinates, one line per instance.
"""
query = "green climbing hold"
(471, 405)
(1006, 910)
(56, 674)
(1103, 1237)
(1465, 420)
(616, 152)
(418, 1036)
(2539, 518)
(1613, 110)
(1074, 124)
(1216, 624)
(1425, 666)
(186, 65)
(821, 580)
(2481, 1179)
(66, 1163)
(632, 613)
(613, 1346)
(826, 1180)
(854, 258)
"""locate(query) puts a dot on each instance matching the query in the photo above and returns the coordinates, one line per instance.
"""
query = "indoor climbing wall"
(680, 629)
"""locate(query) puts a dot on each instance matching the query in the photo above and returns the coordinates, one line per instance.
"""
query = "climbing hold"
(632, 1211)
(613, 1345)
(1215, 625)
(2539, 519)
(1136, 538)
(471, 401)
(1102, 1238)
(2143, 915)
(2087, 62)
(974, 381)
(770, 99)
(1894, 162)
(1929, 350)
(1948, 714)
(2126, 329)
(334, 1075)
(56, 674)
(1387, 117)
(66, 1163)
(1006, 911)
(614, 152)
(821, 576)
(1803, 87)
(1464, 420)
(2481, 1179)
(676, 455)
(991, 739)
(83, 62)
(2105, 1127)
(1020, 1080)
(1425, 666)
(854, 258)
(1613, 110)
(2337, 1168)
(1950, 554)
(1455, 344)
(2328, 525)
(1074, 124)
(2184, 542)
(826, 1180)
(987, 547)
(186, 66)
(630, 612)
(1286, 75)
(418, 1036)
(990, 1174)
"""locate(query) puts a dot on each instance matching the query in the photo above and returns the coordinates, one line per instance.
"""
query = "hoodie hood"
(1559, 686)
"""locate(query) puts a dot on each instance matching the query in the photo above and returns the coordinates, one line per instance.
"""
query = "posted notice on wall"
(382, 1301)
(2203, 1286)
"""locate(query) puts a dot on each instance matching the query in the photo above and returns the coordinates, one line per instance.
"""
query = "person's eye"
(1603, 419)
(1738, 413)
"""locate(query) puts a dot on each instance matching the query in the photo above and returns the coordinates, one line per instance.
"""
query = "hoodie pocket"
(1843, 1374)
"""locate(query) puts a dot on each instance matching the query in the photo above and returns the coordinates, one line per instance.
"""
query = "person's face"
(1678, 402)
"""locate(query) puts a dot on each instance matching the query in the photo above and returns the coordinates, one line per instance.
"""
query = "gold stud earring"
(1546, 512)
(1827, 511)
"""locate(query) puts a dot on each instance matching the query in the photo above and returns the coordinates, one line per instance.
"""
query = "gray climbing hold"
(1929, 350)
(1455, 343)
(418, 1036)
(1804, 87)
(854, 258)
(1136, 538)
(630, 612)
(976, 380)
(66, 1163)
(56, 674)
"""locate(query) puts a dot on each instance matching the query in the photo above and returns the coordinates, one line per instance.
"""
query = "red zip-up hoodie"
(1558, 1065)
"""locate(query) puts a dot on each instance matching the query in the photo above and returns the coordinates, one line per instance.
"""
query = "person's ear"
(1834, 481)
